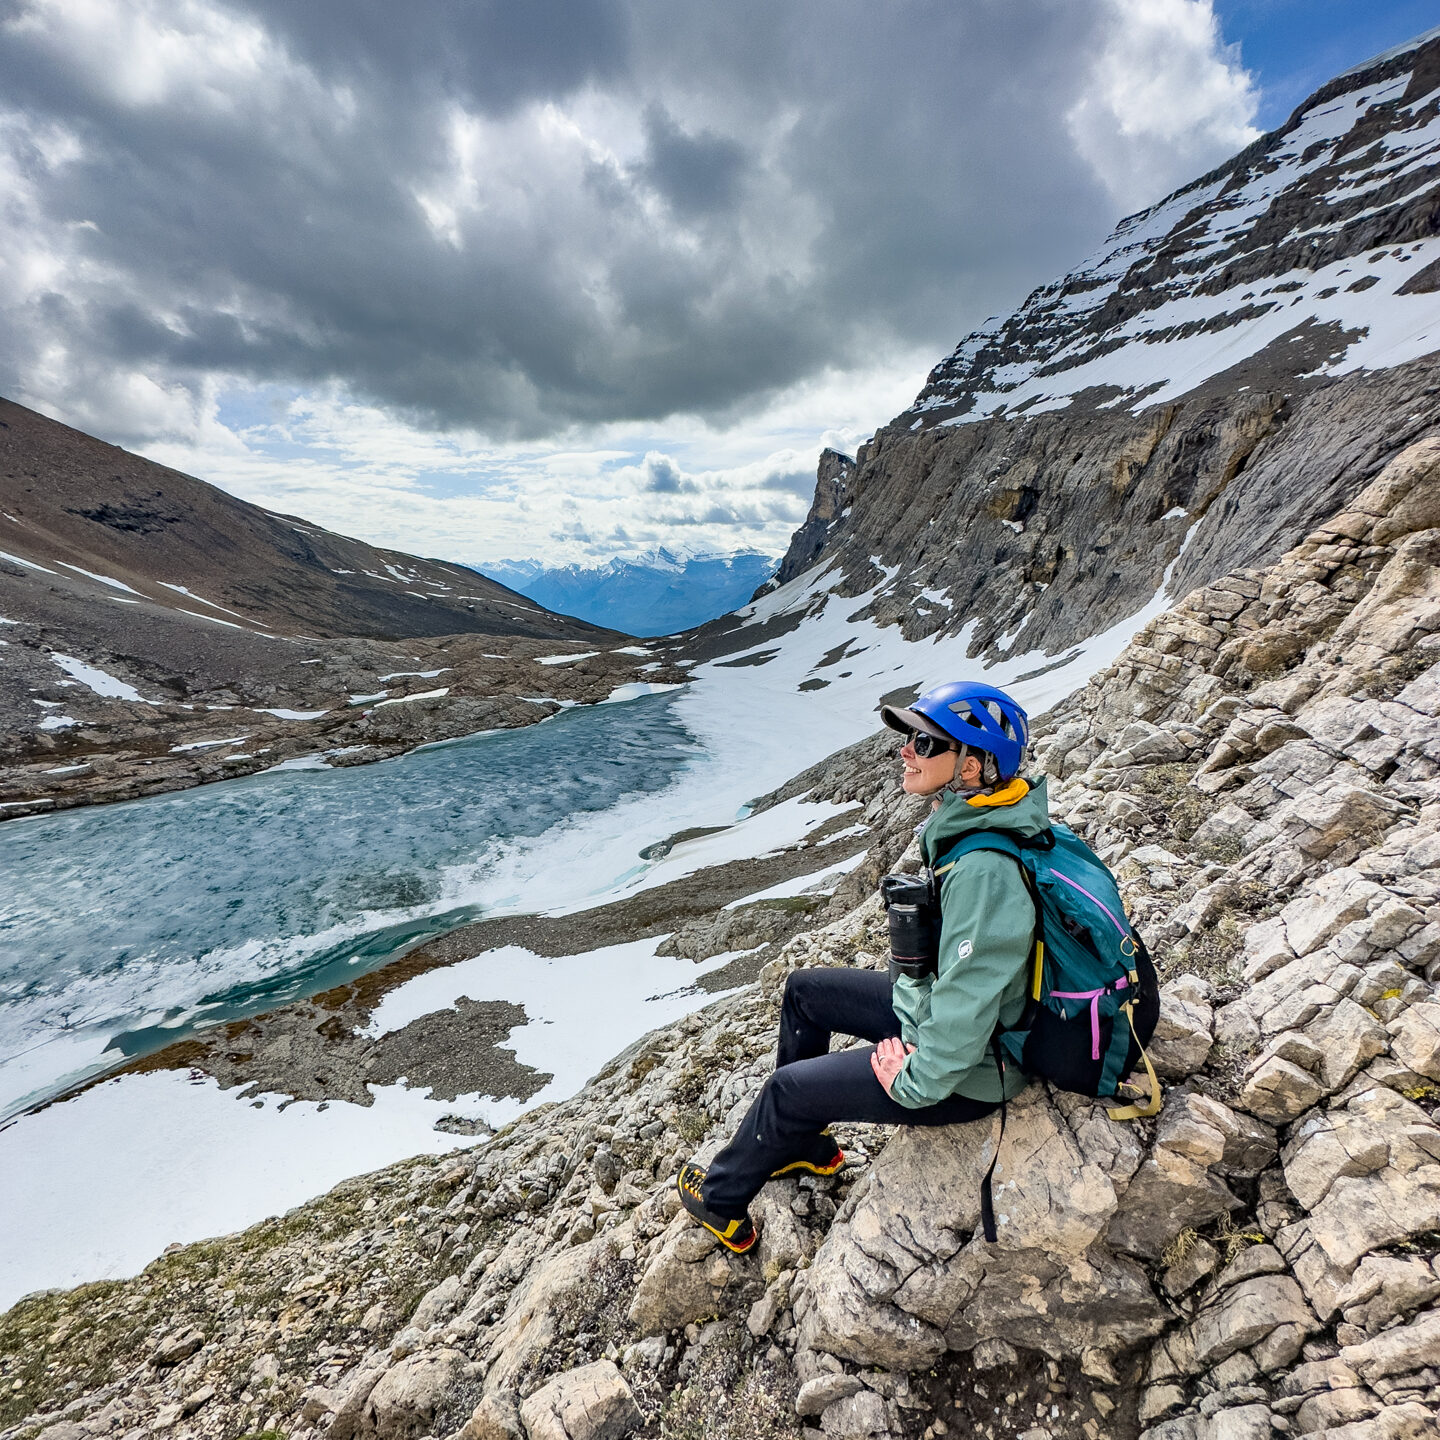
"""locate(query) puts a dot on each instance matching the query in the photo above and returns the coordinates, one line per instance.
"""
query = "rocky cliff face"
(1214, 378)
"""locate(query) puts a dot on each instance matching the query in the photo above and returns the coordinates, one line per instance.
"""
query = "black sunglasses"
(926, 745)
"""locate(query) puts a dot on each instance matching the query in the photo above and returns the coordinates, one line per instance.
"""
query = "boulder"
(908, 1276)
(407, 1396)
(1185, 1029)
(1243, 1314)
(1385, 1287)
(1239, 1422)
(527, 1325)
(179, 1344)
(861, 1416)
(1173, 1188)
(1277, 1090)
(691, 1277)
(349, 1398)
(1334, 901)
(821, 1391)
(1348, 1037)
(1417, 1039)
(592, 1402)
(496, 1417)
(1364, 1212)
(438, 1304)
(1400, 1351)
(1327, 1146)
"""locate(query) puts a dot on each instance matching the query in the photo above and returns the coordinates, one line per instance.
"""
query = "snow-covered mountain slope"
(655, 594)
(1316, 242)
(1237, 363)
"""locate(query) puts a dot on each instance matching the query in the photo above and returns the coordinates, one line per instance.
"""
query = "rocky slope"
(137, 602)
(1262, 767)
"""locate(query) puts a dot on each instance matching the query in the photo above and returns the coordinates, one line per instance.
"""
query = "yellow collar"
(1011, 794)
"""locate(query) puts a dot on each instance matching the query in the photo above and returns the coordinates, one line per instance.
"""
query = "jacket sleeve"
(987, 925)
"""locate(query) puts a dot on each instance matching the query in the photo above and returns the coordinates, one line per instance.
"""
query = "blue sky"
(1292, 47)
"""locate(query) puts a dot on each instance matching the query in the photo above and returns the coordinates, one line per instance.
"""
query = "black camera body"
(913, 911)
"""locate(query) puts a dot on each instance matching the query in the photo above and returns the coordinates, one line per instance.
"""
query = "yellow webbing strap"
(1039, 969)
(1152, 1105)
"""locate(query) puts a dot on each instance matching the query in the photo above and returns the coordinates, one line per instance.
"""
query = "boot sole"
(833, 1168)
(728, 1244)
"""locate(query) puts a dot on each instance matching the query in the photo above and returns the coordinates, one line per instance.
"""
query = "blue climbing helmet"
(972, 714)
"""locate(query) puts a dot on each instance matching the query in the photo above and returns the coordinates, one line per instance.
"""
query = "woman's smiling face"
(922, 776)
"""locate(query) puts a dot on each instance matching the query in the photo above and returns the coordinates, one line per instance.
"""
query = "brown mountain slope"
(73, 502)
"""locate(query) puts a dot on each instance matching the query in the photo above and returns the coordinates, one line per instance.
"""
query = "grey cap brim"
(907, 720)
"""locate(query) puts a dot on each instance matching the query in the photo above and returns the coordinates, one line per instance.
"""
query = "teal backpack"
(1094, 996)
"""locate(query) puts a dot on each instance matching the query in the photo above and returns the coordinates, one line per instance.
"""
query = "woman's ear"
(970, 771)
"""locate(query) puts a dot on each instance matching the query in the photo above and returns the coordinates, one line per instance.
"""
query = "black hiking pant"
(811, 1088)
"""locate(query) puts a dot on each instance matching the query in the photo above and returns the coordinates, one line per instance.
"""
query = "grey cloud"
(697, 173)
(859, 177)
(796, 482)
(663, 476)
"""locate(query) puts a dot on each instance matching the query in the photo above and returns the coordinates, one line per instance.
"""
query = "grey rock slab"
(824, 1390)
(861, 1416)
(179, 1344)
(1349, 1037)
(1239, 1422)
(1252, 1260)
(591, 1402)
(438, 1304)
(1399, 1351)
(1333, 1408)
(691, 1277)
(351, 1395)
(896, 1284)
(1410, 1421)
(496, 1417)
(1278, 1090)
(1387, 1287)
(1336, 900)
(1328, 1146)
(1170, 1192)
(1416, 1039)
(403, 1404)
(1244, 1314)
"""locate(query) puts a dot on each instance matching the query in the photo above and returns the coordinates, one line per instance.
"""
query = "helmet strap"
(989, 772)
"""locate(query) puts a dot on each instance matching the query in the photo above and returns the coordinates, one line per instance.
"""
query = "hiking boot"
(737, 1235)
(823, 1157)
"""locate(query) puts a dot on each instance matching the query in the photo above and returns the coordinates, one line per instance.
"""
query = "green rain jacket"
(987, 927)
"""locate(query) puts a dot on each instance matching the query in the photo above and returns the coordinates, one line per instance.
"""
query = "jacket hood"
(1028, 814)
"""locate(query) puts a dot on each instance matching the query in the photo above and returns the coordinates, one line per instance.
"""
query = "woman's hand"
(887, 1060)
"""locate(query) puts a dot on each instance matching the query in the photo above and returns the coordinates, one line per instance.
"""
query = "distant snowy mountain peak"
(1313, 250)
(658, 593)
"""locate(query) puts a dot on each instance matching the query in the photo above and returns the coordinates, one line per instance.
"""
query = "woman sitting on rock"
(932, 1062)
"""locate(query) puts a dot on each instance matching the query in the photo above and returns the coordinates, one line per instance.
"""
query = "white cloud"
(1163, 98)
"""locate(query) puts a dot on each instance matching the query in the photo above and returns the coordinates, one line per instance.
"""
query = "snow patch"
(422, 695)
(103, 579)
(97, 680)
(206, 744)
